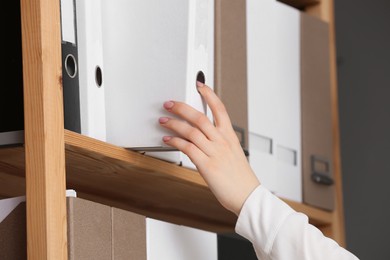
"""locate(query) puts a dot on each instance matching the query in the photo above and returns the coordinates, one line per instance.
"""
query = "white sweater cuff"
(261, 217)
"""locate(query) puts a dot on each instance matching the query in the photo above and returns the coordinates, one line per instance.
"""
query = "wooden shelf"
(130, 180)
(111, 175)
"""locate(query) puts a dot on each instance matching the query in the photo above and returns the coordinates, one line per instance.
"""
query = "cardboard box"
(231, 63)
(95, 231)
(317, 154)
(13, 237)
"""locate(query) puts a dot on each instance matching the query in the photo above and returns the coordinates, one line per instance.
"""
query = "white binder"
(153, 52)
(166, 241)
(274, 96)
(82, 29)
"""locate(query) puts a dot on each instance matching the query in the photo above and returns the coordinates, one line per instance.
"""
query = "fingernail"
(167, 138)
(199, 84)
(168, 105)
(163, 120)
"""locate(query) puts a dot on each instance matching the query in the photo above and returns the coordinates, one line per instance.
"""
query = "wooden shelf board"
(126, 179)
(12, 172)
(130, 180)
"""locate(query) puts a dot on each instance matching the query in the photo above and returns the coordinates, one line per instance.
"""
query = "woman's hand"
(215, 150)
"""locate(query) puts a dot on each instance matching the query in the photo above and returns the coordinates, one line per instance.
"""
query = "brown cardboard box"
(89, 230)
(13, 234)
(95, 231)
(230, 63)
(316, 113)
(129, 235)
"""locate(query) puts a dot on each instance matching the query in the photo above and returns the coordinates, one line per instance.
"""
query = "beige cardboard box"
(316, 116)
(95, 231)
(13, 232)
(231, 63)
(129, 235)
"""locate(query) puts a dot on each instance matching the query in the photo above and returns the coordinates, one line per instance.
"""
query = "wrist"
(247, 191)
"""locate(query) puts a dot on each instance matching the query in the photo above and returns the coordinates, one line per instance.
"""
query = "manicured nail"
(163, 120)
(167, 138)
(168, 105)
(199, 84)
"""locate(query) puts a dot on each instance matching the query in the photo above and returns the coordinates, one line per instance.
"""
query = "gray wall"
(363, 49)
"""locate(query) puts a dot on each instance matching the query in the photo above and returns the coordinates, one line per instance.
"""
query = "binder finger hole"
(98, 76)
(201, 77)
(71, 66)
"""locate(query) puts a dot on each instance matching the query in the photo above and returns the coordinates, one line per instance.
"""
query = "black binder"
(11, 94)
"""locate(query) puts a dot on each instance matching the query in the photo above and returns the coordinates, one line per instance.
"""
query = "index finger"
(218, 109)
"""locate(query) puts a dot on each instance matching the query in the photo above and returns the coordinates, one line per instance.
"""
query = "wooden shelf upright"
(44, 130)
(53, 159)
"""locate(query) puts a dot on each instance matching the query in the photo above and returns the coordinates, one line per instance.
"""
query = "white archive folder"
(154, 51)
(166, 241)
(82, 52)
(274, 96)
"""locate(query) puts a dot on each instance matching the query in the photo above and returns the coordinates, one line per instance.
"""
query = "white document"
(166, 241)
(274, 96)
(153, 51)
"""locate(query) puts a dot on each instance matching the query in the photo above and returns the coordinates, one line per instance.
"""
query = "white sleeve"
(278, 232)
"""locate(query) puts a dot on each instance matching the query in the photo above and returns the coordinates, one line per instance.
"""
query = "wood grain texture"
(12, 172)
(128, 180)
(325, 11)
(44, 136)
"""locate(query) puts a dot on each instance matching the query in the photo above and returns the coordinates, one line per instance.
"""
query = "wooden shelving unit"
(53, 159)
(112, 175)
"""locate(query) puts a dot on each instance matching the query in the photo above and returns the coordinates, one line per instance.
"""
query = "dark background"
(363, 50)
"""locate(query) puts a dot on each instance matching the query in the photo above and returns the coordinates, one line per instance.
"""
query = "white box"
(153, 51)
(166, 241)
(274, 96)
